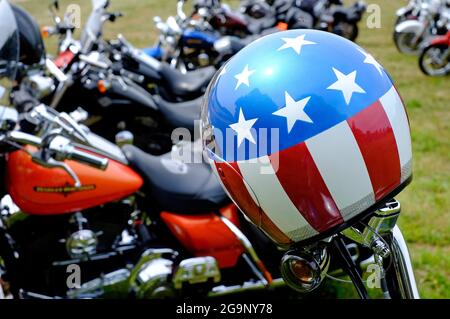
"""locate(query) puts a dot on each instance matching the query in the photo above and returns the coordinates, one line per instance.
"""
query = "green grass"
(425, 220)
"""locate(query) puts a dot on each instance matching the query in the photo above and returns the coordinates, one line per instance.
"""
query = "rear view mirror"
(100, 4)
(55, 4)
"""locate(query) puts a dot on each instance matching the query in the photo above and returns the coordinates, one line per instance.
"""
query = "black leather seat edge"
(180, 114)
(192, 83)
(176, 186)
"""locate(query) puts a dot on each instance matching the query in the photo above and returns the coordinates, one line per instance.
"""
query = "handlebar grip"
(112, 17)
(88, 159)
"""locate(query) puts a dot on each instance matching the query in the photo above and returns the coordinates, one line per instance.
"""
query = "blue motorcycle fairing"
(198, 39)
(156, 52)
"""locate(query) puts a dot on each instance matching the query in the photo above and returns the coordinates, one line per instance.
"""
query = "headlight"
(304, 271)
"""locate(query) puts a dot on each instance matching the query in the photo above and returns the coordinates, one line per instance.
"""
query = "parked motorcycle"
(143, 227)
(191, 48)
(74, 215)
(409, 12)
(213, 33)
(133, 224)
(253, 16)
(146, 226)
(154, 76)
(332, 16)
(435, 58)
(410, 34)
(285, 179)
(105, 88)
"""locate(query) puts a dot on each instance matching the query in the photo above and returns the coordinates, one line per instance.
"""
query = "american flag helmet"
(306, 133)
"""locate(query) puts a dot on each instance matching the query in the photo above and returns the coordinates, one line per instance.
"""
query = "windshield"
(100, 4)
(9, 51)
(93, 28)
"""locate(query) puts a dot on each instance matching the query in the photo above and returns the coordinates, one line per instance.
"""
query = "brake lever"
(56, 145)
(73, 124)
(63, 120)
(52, 163)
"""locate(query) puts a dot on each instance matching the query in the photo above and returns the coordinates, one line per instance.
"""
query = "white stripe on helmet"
(341, 164)
(393, 106)
(262, 179)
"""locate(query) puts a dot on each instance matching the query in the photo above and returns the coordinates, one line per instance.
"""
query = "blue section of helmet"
(303, 75)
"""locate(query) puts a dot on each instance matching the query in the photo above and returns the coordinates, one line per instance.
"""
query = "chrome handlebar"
(63, 121)
(55, 146)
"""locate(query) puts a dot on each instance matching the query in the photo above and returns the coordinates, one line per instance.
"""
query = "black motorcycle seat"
(179, 187)
(257, 26)
(180, 114)
(238, 44)
(350, 14)
(191, 83)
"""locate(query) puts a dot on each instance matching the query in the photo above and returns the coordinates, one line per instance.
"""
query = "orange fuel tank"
(43, 191)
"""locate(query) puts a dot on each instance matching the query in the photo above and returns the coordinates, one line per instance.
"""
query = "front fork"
(400, 276)
(384, 238)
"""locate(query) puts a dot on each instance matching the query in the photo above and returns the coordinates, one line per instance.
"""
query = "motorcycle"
(154, 76)
(332, 16)
(435, 58)
(173, 233)
(410, 34)
(254, 16)
(95, 218)
(178, 235)
(104, 87)
(64, 29)
(409, 12)
(190, 44)
(153, 245)
(213, 33)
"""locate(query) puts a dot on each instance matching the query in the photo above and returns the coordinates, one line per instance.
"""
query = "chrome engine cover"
(82, 243)
(196, 271)
(151, 277)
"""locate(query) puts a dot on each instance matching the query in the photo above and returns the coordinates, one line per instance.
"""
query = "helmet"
(32, 49)
(9, 50)
(307, 134)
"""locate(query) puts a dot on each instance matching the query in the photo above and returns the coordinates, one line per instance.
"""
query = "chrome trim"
(196, 271)
(55, 71)
(382, 222)
(403, 266)
(24, 138)
(249, 249)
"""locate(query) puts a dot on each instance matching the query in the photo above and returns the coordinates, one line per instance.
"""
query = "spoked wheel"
(435, 61)
(405, 43)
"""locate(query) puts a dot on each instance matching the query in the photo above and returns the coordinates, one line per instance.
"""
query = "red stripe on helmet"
(232, 179)
(376, 140)
(302, 182)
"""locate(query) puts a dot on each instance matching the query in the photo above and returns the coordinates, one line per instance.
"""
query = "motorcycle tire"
(399, 277)
(347, 30)
(355, 32)
(441, 71)
(402, 40)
